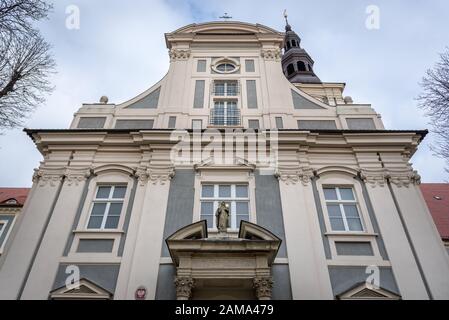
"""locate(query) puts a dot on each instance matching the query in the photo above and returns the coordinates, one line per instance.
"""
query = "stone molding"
(184, 286)
(295, 175)
(52, 176)
(156, 174)
(400, 178)
(263, 287)
(179, 54)
(271, 54)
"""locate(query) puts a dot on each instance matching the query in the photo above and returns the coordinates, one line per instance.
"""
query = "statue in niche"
(222, 217)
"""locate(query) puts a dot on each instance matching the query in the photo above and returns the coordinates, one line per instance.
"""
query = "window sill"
(351, 234)
(98, 231)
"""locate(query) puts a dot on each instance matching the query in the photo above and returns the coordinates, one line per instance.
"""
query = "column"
(263, 287)
(307, 262)
(406, 271)
(46, 264)
(184, 286)
(145, 260)
(33, 221)
(425, 238)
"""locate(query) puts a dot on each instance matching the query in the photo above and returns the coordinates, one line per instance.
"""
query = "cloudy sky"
(119, 51)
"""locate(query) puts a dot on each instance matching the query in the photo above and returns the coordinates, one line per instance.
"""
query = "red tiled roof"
(18, 194)
(437, 198)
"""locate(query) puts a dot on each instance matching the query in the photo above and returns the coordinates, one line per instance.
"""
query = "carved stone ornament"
(404, 179)
(160, 175)
(75, 176)
(179, 54)
(263, 287)
(45, 176)
(271, 54)
(374, 178)
(295, 175)
(184, 286)
(142, 175)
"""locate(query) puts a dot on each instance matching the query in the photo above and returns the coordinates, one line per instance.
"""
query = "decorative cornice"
(294, 175)
(48, 176)
(271, 54)
(156, 174)
(74, 175)
(374, 178)
(379, 177)
(184, 286)
(179, 54)
(263, 287)
(404, 178)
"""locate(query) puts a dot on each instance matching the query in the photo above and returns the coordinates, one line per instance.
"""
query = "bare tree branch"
(25, 60)
(435, 101)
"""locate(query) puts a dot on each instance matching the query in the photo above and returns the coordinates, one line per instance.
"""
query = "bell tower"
(296, 62)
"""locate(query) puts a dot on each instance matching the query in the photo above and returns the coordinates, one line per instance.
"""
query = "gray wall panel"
(95, 245)
(151, 101)
(344, 278)
(361, 124)
(249, 66)
(269, 208)
(103, 275)
(319, 209)
(198, 101)
(354, 248)
(165, 289)
(91, 122)
(281, 283)
(317, 124)
(201, 66)
(251, 92)
(134, 124)
(299, 102)
(9, 220)
(180, 204)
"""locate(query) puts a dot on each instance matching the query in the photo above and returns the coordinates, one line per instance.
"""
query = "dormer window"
(301, 66)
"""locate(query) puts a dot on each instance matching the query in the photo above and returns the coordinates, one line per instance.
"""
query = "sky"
(119, 51)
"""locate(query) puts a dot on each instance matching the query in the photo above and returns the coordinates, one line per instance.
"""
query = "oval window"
(226, 67)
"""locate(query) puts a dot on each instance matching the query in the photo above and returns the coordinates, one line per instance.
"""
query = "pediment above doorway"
(214, 266)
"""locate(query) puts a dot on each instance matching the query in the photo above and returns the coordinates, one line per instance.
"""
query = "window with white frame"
(107, 207)
(226, 88)
(342, 208)
(235, 196)
(225, 113)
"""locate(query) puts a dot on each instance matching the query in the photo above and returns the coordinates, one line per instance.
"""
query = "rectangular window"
(198, 101)
(249, 66)
(236, 198)
(172, 122)
(201, 66)
(225, 88)
(279, 123)
(253, 124)
(107, 208)
(342, 209)
(225, 113)
(251, 94)
(197, 124)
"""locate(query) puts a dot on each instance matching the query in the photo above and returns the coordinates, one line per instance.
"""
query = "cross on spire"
(287, 25)
(225, 17)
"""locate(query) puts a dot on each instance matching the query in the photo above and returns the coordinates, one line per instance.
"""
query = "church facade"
(239, 175)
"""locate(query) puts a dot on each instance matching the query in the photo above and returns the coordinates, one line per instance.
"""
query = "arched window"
(310, 67)
(290, 69)
(293, 43)
(301, 66)
(288, 45)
